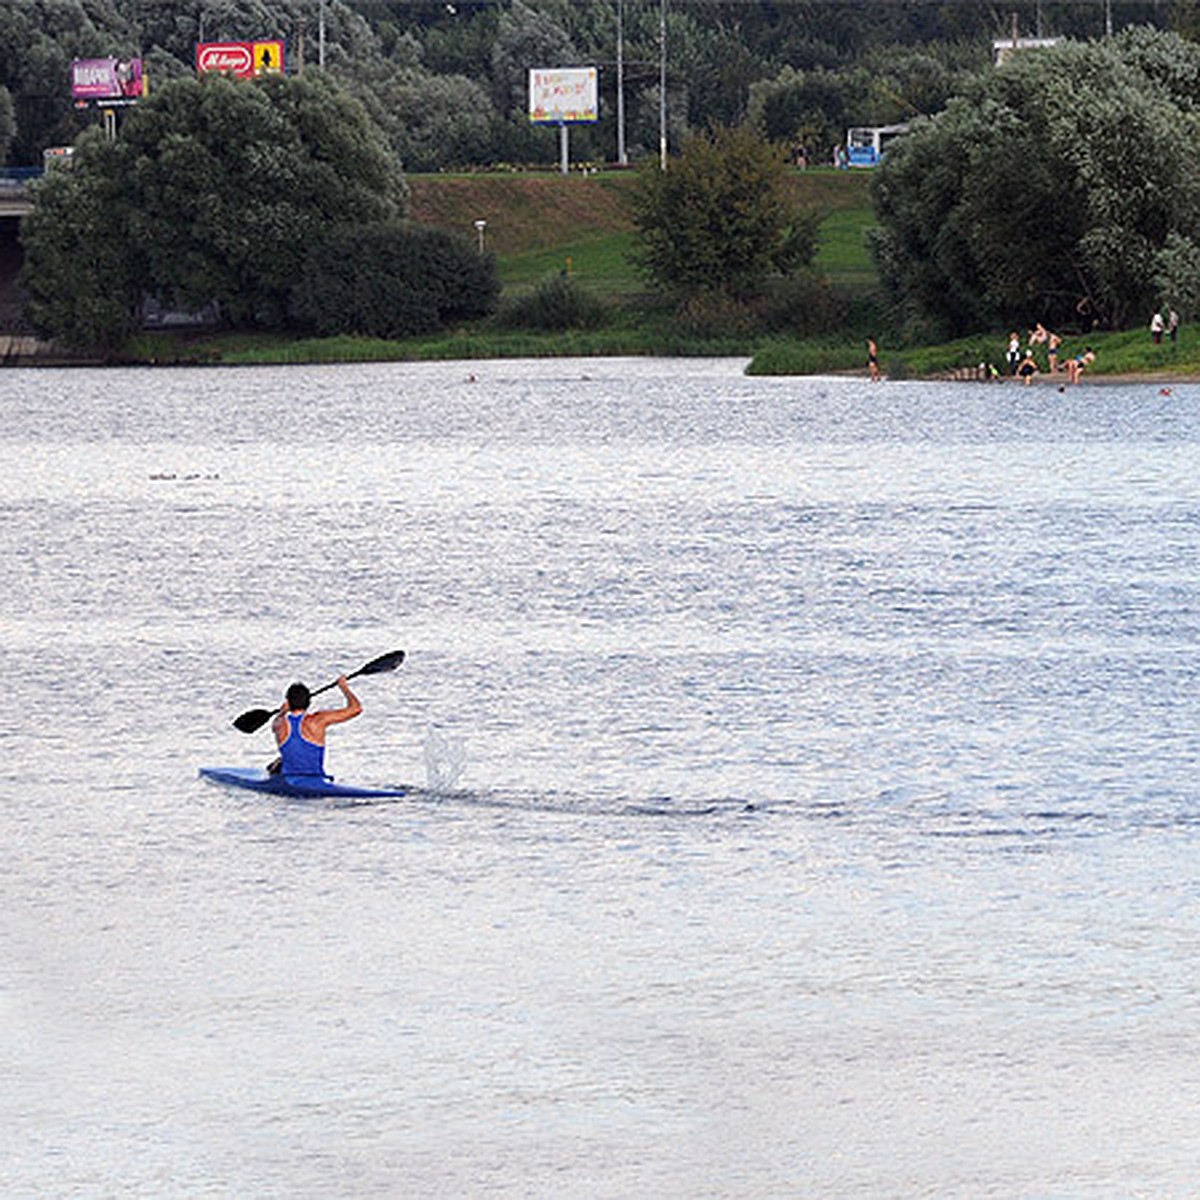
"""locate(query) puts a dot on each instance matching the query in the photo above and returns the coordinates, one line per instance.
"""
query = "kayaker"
(300, 734)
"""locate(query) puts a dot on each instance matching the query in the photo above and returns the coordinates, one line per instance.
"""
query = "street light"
(622, 156)
(480, 226)
(662, 84)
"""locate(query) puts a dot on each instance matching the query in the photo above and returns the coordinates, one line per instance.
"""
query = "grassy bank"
(1129, 353)
(266, 349)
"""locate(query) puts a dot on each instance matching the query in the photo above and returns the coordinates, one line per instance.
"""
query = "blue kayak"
(255, 779)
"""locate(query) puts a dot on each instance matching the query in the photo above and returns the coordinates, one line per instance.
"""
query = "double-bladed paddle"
(255, 718)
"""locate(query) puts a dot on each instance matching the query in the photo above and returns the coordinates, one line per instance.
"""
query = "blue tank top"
(299, 756)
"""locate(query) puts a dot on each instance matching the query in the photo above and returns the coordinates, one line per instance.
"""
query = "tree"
(1052, 190)
(435, 121)
(720, 220)
(82, 273)
(528, 35)
(812, 108)
(229, 181)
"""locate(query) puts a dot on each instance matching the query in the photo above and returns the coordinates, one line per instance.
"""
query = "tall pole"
(622, 157)
(1108, 18)
(321, 33)
(662, 84)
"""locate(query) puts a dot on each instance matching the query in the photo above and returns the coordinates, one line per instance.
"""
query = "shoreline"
(23, 351)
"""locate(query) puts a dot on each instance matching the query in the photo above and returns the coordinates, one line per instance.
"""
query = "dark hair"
(298, 696)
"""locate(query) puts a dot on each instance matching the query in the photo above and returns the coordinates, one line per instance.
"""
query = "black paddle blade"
(385, 662)
(253, 721)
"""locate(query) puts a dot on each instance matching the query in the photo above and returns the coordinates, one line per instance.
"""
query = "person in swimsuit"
(1077, 365)
(1052, 351)
(300, 734)
(873, 360)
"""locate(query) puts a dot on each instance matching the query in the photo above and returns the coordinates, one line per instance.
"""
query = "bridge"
(15, 203)
(14, 190)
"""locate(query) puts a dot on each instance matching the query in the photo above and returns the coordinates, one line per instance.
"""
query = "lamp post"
(622, 157)
(662, 84)
(480, 226)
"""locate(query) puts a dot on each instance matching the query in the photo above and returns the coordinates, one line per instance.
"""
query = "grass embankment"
(539, 225)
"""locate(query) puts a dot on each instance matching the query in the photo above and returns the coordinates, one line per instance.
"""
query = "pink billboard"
(116, 80)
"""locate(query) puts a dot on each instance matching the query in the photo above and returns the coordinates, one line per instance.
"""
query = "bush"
(722, 219)
(391, 280)
(714, 315)
(558, 304)
(801, 304)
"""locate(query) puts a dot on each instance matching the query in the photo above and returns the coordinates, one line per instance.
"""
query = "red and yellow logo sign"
(243, 59)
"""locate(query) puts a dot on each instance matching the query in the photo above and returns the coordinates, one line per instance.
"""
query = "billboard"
(243, 59)
(564, 96)
(107, 81)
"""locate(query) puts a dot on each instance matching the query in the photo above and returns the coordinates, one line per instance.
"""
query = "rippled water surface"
(804, 785)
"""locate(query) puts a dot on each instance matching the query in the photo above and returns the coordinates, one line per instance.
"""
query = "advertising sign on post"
(567, 95)
(243, 59)
(564, 96)
(107, 81)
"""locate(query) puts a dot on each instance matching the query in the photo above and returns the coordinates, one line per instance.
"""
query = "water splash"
(445, 759)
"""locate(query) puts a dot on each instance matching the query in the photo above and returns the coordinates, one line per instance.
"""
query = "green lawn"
(599, 262)
(842, 252)
(537, 221)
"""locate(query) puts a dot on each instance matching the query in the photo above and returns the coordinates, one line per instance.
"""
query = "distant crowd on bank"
(1043, 351)
(1042, 342)
(1029, 363)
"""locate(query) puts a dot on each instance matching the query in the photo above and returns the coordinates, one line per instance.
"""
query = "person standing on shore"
(1012, 356)
(873, 360)
(1052, 346)
(1173, 326)
(1156, 327)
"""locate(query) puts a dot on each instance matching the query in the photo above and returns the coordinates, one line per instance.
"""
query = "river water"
(804, 785)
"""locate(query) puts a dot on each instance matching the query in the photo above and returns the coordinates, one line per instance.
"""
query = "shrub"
(391, 280)
(801, 304)
(558, 304)
(713, 315)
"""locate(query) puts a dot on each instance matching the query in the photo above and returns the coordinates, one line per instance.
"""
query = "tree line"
(446, 79)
